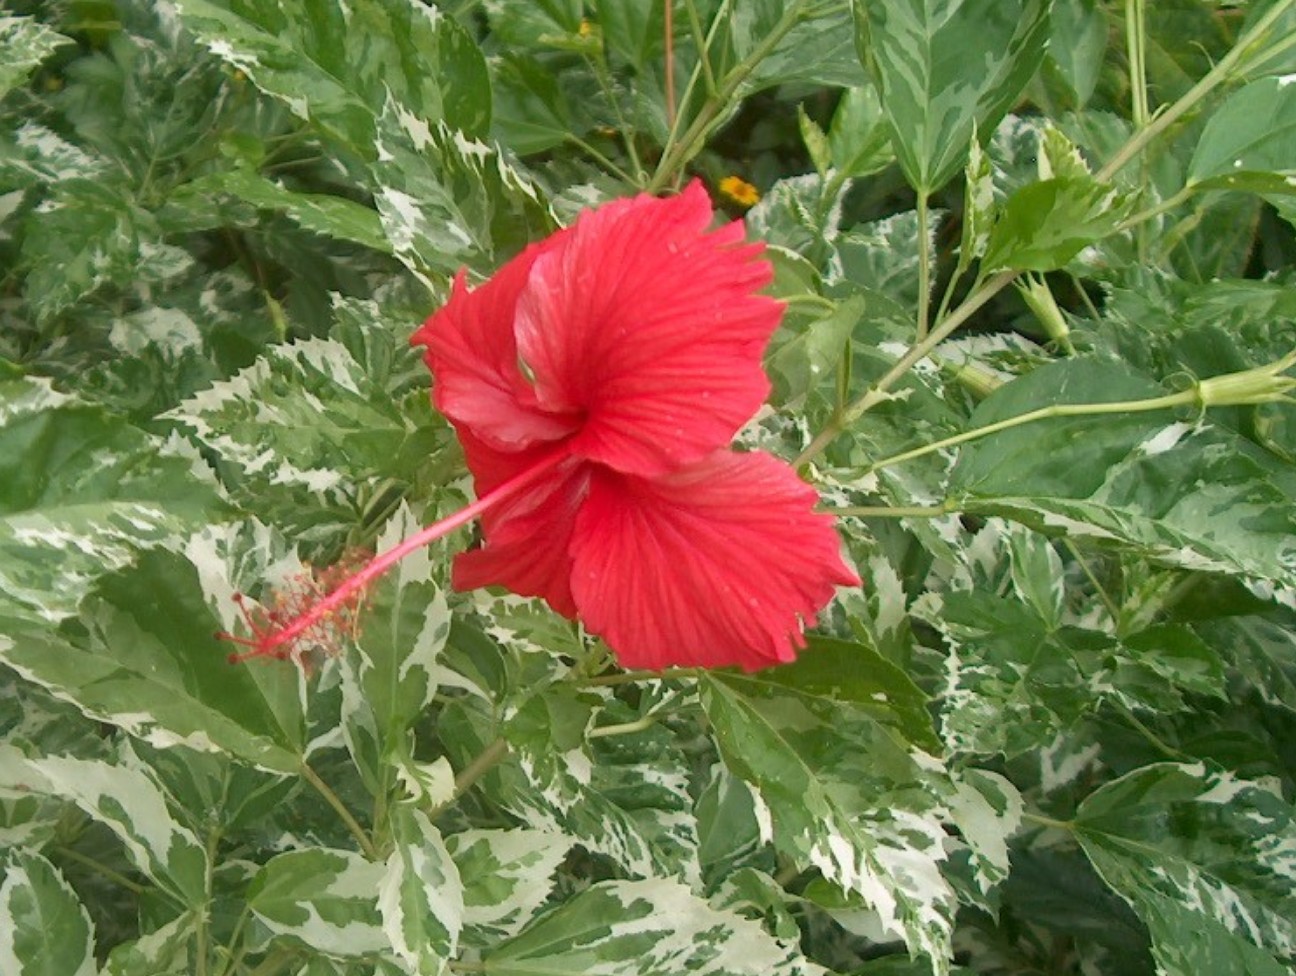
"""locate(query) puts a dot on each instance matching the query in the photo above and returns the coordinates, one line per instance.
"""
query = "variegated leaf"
(83, 493)
(24, 44)
(945, 69)
(334, 63)
(1207, 860)
(126, 800)
(507, 875)
(447, 200)
(841, 789)
(645, 928)
(421, 896)
(323, 898)
(44, 928)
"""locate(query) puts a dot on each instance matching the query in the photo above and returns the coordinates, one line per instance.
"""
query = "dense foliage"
(1038, 265)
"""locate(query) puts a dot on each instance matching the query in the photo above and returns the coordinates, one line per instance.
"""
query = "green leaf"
(148, 663)
(446, 200)
(858, 137)
(309, 431)
(326, 899)
(421, 896)
(24, 43)
(1199, 496)
(1043, 225)
(841, 791)
(946, 69)
(126, 799)
(1249, 142)
(645, 928)
(44, 929)
(1078, 44)
(81, 492)
(1205, 859)
(507, 875)
(88, 235)
(322, 213)
(161, 952)
(388, 675)
(337, 65)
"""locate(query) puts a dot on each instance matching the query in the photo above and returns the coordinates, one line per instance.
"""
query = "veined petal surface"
(722, 563)
(648, 325)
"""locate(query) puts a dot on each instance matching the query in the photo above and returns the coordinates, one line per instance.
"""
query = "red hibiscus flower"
(595, 383)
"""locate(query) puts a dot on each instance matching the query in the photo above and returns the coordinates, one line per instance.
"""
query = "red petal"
(472, 353)
(649, 325)
(718, 564)
(525, 540)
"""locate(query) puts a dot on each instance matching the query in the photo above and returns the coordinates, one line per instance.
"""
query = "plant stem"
(102, 870)
(685, 148)
(625, 728)
(897, 511)
(704, 51)
(924, 266)
(331, 798)
(1044, 821)
(484, 762)
(1222, 70)
(876, 393)
(632, 677)
(1183, 398)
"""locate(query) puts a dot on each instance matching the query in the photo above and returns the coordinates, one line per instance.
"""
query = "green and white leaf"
(507, 875)
(24, 44)
(335, 64)
(323, 898)
(843, 789)
(1206, 859)
(126, 800)
(645, 928)
(945, 70)
(421, 895)
(83, 493)
(388, 674)
(447, 200)
(1195, 496)
(322, 213)
(44, 928)
(162, 676)
(162, 952)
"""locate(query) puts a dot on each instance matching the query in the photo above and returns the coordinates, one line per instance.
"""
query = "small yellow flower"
(585, 29)
(740, 191)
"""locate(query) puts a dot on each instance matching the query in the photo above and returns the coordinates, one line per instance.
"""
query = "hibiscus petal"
(472, 353)
(525, 540)
(718, 564)
(650, 325)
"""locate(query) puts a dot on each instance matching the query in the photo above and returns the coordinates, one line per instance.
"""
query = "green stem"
(331, 798)
(1157, 743)
(633, 677)
(686, 147)
(201, 921)
(1183, 398)
(876, 393)
(893, 511)
(704, 49)
(1223, 69)
(485, 761)
(924, 266)
(625, 728)
(102, 870)
(1044, 821)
